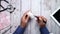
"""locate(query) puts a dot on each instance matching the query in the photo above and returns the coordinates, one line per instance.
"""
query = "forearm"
(19, 30)
(44, 30)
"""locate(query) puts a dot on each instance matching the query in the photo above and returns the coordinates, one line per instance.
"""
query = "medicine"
(31, 15)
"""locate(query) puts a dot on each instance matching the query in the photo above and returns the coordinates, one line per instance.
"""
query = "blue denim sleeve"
(19, 30)
(44, 30)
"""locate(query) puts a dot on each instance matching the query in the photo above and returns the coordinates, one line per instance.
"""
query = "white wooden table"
(39, 7)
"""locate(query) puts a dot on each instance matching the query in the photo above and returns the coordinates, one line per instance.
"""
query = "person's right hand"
(41, 21)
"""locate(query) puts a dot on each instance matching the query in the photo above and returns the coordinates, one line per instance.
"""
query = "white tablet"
(56, 16)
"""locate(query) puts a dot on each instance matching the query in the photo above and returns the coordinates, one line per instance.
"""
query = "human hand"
(24, 20)
(41, 21)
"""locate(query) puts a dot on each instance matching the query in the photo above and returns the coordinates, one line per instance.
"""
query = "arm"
(24, 22)
(42, 23)
(19, 30)
(44, 30)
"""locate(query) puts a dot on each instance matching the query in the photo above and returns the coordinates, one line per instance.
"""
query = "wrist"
(42, 25)
(22, 26)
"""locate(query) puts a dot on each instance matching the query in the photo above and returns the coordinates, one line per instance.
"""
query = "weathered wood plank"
(39, 7)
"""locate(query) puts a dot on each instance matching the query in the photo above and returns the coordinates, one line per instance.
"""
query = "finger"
(25, 14)
(37, 17)
(40, 19)
(27, 18)
(44, 19)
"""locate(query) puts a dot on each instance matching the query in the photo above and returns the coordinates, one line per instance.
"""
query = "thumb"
(40, 19)
(27, 17)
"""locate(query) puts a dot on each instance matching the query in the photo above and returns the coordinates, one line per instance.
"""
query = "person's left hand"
(24, 20)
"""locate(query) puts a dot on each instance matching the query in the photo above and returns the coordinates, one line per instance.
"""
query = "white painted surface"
(39, 7)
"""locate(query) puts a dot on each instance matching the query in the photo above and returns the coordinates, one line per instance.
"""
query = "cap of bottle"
(32, 16)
